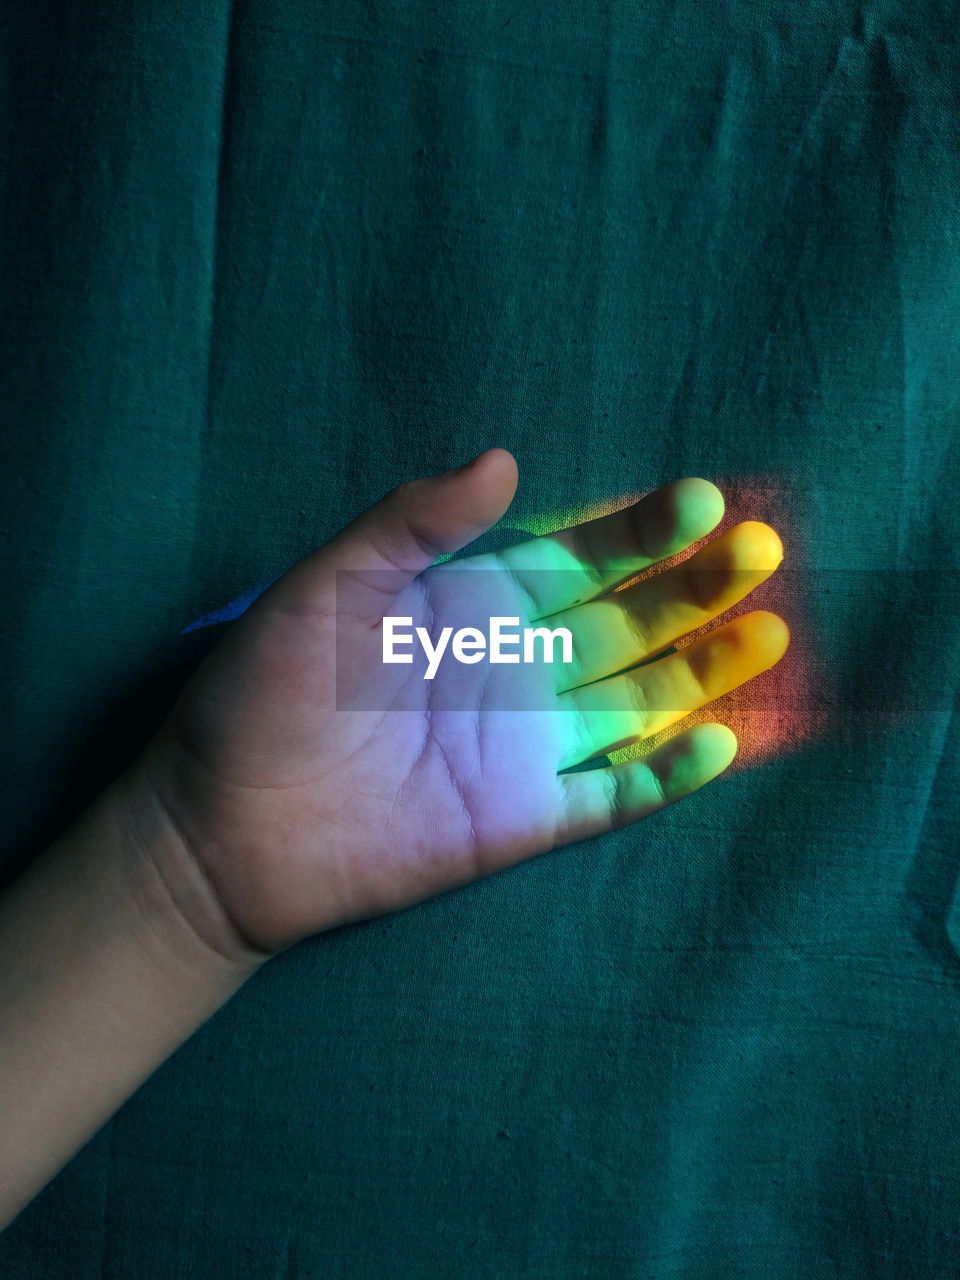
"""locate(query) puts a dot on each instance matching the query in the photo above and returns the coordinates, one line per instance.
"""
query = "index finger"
(558, 570)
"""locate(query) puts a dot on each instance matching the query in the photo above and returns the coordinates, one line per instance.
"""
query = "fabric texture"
(265, 260)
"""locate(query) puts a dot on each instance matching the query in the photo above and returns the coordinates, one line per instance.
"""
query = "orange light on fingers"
(785, 705)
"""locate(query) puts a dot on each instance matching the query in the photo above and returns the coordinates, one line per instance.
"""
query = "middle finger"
(617, 632)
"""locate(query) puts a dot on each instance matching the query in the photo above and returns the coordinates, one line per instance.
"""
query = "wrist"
(178, 901)
(103, 974)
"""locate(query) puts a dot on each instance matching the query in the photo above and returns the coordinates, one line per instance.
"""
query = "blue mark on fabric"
(234, 609)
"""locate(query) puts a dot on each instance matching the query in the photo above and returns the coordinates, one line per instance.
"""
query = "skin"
(281, 798)
(286, 815)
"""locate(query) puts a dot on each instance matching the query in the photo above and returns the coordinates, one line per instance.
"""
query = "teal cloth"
(262, 262)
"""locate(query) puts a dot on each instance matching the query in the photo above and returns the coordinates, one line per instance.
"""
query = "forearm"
(101, 979)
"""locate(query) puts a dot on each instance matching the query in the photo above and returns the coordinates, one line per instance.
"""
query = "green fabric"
(264, 261)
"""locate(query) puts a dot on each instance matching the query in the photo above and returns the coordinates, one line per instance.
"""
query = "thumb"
(384, 549)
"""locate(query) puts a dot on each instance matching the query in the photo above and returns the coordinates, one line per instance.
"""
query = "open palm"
(311, 784)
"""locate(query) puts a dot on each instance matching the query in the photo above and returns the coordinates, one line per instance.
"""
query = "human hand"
(287, 816)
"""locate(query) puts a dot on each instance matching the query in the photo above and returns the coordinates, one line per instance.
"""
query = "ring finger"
(637, 704)
(620, 630)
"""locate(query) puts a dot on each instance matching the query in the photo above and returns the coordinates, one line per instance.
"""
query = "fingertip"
(694, 758)
(503, 457)
(756, 546)
(495, 462)
(715, 746)
(772, 634)
(671, 518)
(496, 468)
(700, 507)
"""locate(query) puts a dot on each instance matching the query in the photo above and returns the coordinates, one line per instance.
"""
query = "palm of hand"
(316, 785)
